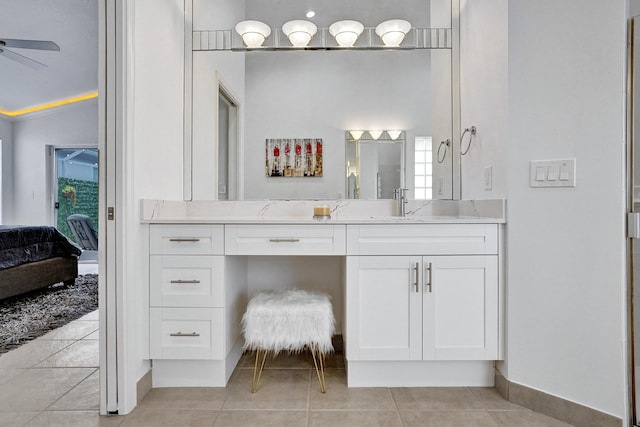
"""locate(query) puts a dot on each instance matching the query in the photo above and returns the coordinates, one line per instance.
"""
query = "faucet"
(400, 195)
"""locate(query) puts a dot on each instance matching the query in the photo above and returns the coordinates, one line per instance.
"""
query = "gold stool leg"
(257, 374)
(318, 362)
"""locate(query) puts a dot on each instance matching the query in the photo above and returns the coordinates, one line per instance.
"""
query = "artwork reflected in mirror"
(294, 157)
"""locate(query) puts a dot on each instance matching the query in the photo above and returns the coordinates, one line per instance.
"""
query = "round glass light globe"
(375, 134)
(394, 134)
(346, 32)
(392, 32)
(299, 32)
(253, 33)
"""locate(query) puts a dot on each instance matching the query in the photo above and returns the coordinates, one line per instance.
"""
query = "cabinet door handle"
(417, 269)
(182, 334)
(184, 240)
(284, 240)
(180, 281)
(428, 283)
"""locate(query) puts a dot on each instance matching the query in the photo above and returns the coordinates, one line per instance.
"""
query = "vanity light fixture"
(392, 32)
(346, 32)
(356, 134)
(394, 134)
(253, 33)
(299, 32)
(375, 134)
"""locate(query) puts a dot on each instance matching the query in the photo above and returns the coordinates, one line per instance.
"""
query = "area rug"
(28, 316)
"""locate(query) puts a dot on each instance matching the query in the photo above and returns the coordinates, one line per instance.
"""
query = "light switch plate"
(554, 173)
(488, 177)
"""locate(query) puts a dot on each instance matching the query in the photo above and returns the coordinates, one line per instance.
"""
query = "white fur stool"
(289, 320)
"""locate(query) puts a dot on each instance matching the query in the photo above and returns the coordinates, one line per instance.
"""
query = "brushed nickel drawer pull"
(429, 283)
(417, 269)
(184, 240)
(180, 334)
(284, 240)
(185, 281)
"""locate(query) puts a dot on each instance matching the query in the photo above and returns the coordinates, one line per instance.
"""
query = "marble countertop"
(342, 212)
(301, 220)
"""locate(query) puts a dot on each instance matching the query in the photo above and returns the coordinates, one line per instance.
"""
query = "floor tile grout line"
(53, 354)
(215, 419)
(493, 417)
(62, 367)
(395, 403)
(32, 418)
(486, 408)
(44, 337)
(68, 391)
(48, 356)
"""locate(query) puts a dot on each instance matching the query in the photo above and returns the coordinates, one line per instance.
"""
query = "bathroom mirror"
(374, 164)
(318, 95)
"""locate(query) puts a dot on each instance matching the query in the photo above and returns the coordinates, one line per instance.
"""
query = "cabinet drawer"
(186, 333)
(176, 239)
(320, 239)
(418, 239)
(186, 281)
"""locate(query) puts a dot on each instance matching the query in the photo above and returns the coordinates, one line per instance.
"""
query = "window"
(423, 168)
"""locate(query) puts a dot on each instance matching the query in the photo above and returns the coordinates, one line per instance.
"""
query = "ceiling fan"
(26, 44)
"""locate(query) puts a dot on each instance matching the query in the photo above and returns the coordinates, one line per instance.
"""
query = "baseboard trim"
(553, 406)
(143, 386)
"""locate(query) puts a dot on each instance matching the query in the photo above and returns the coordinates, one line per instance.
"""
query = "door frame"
(632, 416)
(235, 149)
(52, 174)
(112, 99)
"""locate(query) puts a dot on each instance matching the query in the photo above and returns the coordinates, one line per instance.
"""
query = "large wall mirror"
(319, 95)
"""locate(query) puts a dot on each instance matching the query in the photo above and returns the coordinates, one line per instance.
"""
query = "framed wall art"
(294, 157)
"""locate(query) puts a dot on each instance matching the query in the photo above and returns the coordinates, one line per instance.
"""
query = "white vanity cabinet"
(186, 291)
(421, 302)
(422, 292)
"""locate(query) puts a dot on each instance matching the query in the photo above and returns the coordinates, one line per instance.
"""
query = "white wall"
(483, 92)
(6, 171)
(70, 126)
(634, 7)
(566, 249)
(211, 69)
(152, 152)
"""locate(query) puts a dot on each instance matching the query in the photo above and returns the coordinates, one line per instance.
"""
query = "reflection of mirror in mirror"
(374, 163)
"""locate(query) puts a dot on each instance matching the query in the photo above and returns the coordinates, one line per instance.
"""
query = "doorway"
(228, 145)
(75, 192)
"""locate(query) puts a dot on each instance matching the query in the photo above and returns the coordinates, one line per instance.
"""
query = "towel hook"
(446, 144)
(472, 132)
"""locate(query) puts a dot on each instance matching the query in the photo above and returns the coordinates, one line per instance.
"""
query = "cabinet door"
(460, 307)
(384, 308)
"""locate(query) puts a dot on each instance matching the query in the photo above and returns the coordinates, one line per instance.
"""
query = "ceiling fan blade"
(22, 59)
(30, 44)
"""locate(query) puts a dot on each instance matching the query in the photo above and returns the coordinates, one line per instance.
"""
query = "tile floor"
(53, 381)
